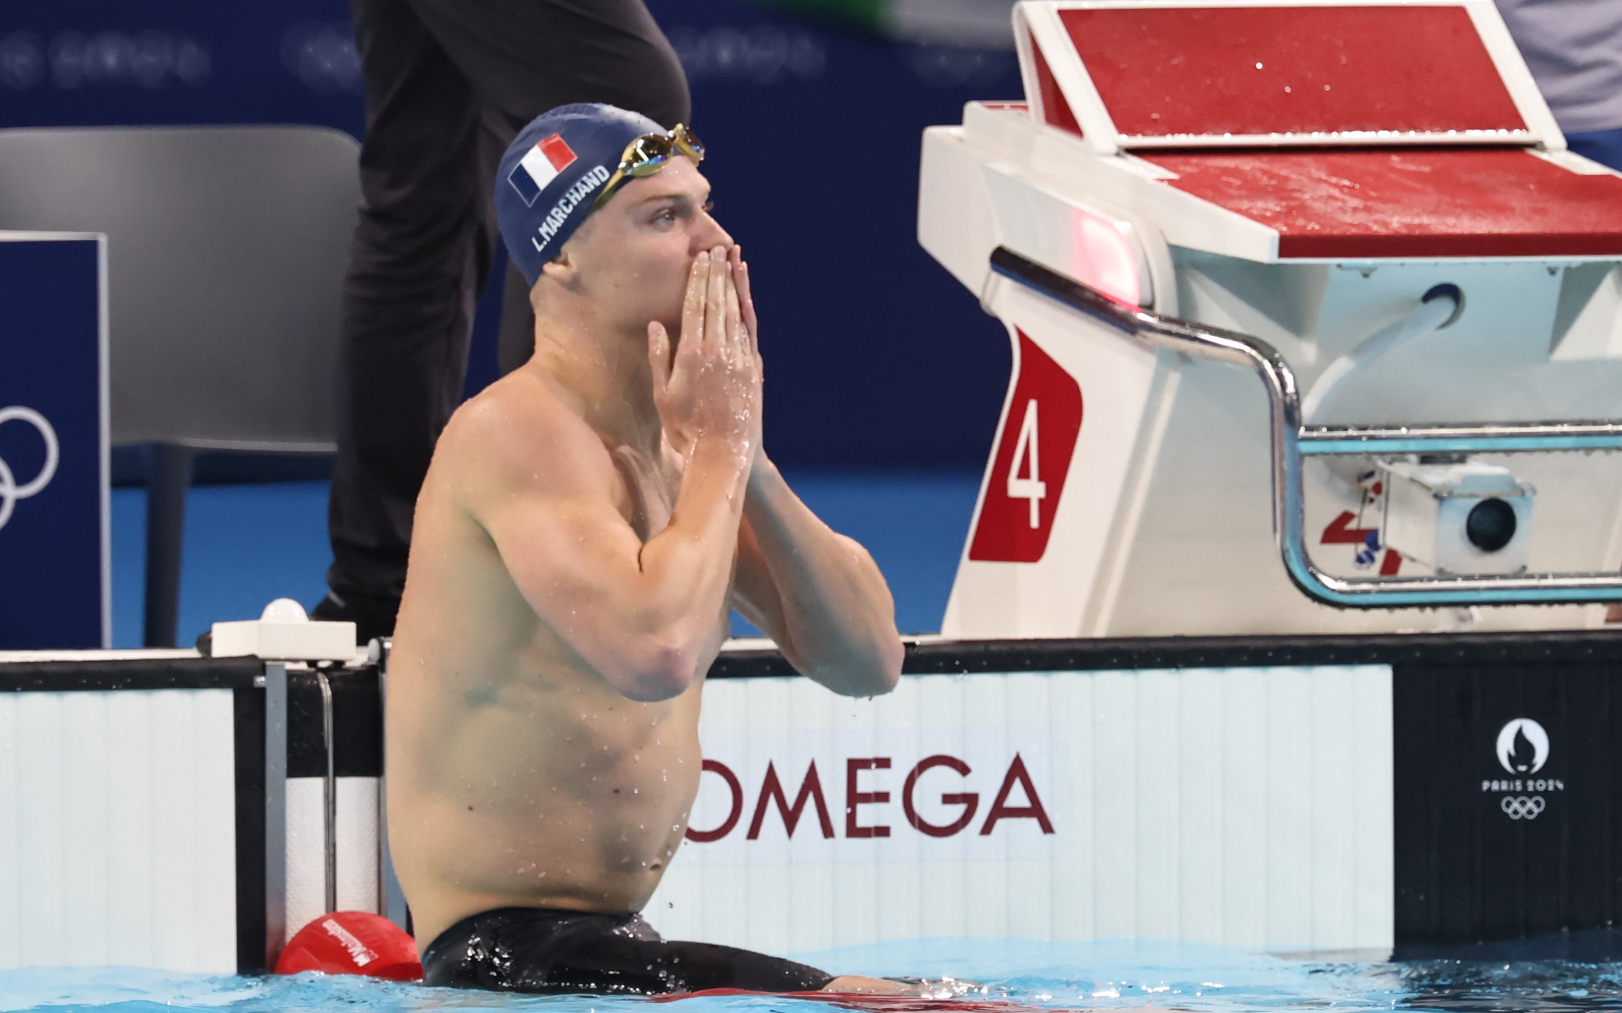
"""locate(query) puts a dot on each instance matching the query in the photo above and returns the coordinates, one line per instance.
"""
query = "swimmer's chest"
(650, 496)
(649, 490)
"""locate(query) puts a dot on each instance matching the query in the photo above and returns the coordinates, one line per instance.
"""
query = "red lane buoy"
(352, 942)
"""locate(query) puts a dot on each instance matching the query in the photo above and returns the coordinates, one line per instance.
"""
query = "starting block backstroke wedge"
(1369, 206)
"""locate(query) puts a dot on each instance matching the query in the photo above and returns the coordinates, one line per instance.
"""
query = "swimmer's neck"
(603, 376)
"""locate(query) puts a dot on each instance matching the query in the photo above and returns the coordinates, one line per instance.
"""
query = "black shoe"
(373, 615)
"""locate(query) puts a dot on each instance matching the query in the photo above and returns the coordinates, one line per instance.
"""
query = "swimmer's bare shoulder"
(521, 490)
(536, 484)
(517, 439)
(513, 472)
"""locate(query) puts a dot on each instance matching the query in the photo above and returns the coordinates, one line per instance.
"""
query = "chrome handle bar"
(1290, 443)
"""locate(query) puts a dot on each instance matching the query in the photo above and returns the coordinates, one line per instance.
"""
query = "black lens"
(1491, 525)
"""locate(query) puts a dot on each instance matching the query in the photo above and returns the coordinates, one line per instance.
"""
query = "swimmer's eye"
(670, 213)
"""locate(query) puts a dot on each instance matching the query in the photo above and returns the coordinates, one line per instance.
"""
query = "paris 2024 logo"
(1523, 750)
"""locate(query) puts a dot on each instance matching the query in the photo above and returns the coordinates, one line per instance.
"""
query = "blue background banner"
(875, 356)
(53, 546)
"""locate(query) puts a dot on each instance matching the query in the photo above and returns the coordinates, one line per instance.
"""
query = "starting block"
(1369, 204)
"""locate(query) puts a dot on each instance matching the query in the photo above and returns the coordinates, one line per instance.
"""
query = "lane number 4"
(1031, 487)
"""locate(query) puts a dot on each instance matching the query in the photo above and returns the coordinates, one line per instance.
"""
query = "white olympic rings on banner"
(10, 491)
(1519, 807)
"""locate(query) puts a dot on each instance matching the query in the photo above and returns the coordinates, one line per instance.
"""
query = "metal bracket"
(1290, 443)
(329, 797)
(275, 680)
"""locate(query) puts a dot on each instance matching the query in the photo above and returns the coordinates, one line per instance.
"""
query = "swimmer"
(586, 527)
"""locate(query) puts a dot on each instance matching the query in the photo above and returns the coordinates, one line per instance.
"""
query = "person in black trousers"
(448, 85)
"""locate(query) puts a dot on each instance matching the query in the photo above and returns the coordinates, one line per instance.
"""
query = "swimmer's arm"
(818, 594)
(641, 615)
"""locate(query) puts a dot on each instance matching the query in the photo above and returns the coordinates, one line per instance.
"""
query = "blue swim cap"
(551, 173)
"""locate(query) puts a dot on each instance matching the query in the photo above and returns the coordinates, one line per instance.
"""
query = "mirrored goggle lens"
(646, 155)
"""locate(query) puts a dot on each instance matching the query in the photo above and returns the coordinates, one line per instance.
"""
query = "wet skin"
(586, 526)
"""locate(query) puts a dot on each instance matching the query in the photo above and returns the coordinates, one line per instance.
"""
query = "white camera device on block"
(1463, 519)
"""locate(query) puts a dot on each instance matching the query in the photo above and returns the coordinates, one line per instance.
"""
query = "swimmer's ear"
(561, 268)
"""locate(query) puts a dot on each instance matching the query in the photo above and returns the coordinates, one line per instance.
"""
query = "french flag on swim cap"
(552, 173)
(540, 167)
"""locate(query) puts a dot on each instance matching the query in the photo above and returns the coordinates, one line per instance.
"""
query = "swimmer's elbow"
(887, 667)
(895, 654)
(661, 672)
(875, 675)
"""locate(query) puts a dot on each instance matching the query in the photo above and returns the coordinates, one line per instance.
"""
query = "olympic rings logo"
(1519, 807)
(10, 491)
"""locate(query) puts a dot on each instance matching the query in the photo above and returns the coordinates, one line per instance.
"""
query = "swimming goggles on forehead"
(647, 155)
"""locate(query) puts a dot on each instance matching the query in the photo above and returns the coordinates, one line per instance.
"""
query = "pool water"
(1103, 975)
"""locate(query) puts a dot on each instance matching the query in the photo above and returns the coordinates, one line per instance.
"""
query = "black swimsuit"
(550, 951)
